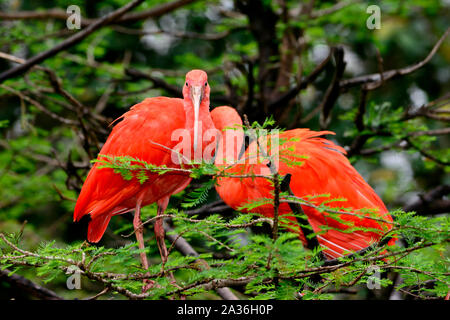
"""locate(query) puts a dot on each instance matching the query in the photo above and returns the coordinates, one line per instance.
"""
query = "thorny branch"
(108, 278)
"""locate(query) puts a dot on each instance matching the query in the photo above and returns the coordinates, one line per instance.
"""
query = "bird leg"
(160, 235)
(138, 230)
(159, 230)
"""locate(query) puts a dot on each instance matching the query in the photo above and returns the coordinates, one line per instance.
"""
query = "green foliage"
(271, 268)
(260, 261)
(198, 196)
(44, 161)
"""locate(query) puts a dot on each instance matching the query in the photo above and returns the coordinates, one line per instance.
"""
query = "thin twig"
(372, 80)
(69, 42)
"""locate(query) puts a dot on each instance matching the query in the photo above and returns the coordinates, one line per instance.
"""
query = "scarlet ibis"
(324, 170)
(145, 132)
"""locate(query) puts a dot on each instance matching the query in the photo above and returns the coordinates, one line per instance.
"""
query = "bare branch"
(59, 14)
(334, 8)
(332, 93)
(55, 13)
(303, 84)
(38, 105)
(29, 286)
(432, 202)
(373, 80)
(157, 82)
(435, 132)
(71, 41)
(185, 248)
(178, 34)
(155, 12)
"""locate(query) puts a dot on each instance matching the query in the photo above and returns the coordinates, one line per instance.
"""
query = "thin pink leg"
(160, 234)
(139, 231)
(159, 229)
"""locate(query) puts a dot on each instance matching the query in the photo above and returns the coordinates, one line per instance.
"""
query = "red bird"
(146, 132)
(325, 170)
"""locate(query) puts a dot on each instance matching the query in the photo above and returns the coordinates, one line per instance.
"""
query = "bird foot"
(149, 284)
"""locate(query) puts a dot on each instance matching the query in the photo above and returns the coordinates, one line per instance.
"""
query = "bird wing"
(326, 170)
(143, 129)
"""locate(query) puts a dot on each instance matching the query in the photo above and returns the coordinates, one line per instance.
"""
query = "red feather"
(106, 193)
(325, 170)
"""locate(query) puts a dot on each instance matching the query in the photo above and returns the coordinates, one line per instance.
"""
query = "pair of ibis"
(145, 132)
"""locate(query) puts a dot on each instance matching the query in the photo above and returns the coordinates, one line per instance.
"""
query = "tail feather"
(85, 197)
(97, 227)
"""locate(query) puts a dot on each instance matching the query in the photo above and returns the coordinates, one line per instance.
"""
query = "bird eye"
(187, 84)
(206, 84)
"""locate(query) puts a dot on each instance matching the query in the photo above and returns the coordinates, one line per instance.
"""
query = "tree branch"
(185, 248)
(59, 14)
(334, 8)
(431, 202)
(71, 41)
(373, 80)
(28, 286)
(155, 12)
(332, 93)
(157, 82)
(291, 93)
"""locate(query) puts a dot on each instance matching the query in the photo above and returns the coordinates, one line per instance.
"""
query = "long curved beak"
(196, 96)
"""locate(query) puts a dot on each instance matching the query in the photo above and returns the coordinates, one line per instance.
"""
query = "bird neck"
(204, 116)
(205, 123)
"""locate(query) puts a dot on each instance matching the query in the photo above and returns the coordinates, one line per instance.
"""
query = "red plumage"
(324, 170)
(138, 134)
(149, 132)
